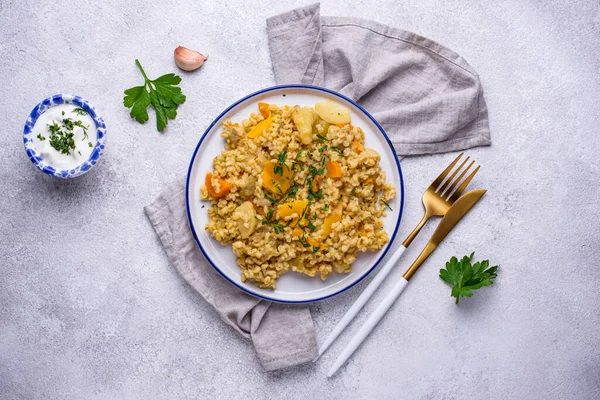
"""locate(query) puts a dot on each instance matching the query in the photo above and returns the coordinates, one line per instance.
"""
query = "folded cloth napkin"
(282, 335)
(428, 99)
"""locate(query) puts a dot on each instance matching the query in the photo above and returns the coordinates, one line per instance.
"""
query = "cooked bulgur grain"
(286, 205)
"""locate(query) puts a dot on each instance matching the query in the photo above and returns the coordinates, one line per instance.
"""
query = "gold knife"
(449, 221)
(455, 214)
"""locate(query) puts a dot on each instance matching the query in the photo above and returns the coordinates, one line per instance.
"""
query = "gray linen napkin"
(427, 98)
(282, 335)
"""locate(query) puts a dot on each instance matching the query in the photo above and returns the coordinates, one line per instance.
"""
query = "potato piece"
(247, 190)
(333, 112)
(274, 182)
(303, 117)
(245, 216)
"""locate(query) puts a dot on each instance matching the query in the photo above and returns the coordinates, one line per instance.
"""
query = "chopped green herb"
(61, 140)
(315, 249)
(290, 206)
(78, 111)
(278, 188)
(337, 150)
(353, 190)
(39, 136)
(90, 144)
(203, 207)
(314, 171)
(299, 154)
(317, 195)
(272, 200)
(278, 169)
(322, 137)
(325, 207)
(282, 157)
(293, 191)
(311, 226)
(270, 214)
(63, 113)
(79, 152)
(386, 204)
(278, 228)
(322, 149)
(309, 154)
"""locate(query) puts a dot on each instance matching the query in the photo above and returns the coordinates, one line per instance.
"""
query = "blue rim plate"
(41, 108)
(292, 288)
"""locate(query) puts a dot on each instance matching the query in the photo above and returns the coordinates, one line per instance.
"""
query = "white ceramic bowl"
(292, 287)
(42, 164)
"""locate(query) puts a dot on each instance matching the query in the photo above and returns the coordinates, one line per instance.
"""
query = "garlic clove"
(188, 60)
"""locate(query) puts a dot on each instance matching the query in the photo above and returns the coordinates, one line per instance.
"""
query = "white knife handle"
(362, 299)
(368, 326)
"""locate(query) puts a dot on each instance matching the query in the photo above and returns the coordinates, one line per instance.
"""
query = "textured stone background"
(91, 309)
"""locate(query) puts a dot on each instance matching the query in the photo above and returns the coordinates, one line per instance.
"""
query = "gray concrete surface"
(91, 309)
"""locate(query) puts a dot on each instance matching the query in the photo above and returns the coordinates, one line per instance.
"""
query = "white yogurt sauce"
(41, 137)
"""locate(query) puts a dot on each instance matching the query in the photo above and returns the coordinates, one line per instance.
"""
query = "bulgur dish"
(296, 190)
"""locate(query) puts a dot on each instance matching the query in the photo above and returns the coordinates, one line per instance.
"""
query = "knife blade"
(458, 210)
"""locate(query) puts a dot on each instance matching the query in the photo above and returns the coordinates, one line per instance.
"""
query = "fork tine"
(449, 182)
(463, 186)
(434, 185)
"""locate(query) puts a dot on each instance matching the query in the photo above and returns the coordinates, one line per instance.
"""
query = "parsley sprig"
(161, 93)
(464, 277)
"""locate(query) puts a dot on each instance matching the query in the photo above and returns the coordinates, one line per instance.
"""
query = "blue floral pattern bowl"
(41, 108)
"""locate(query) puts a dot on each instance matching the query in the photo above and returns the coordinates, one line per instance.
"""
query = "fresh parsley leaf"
(278, 169)
(322, 137)
(162, 93)
(464, 277)
(325, 207)
(315, 249)
(39, 136)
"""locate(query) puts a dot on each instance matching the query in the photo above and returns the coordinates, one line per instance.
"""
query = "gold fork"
(437, 199)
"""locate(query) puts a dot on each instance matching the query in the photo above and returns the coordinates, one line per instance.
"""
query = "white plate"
(292, 287)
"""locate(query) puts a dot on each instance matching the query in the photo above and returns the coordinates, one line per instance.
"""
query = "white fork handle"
(362, 299)
(368, 326)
